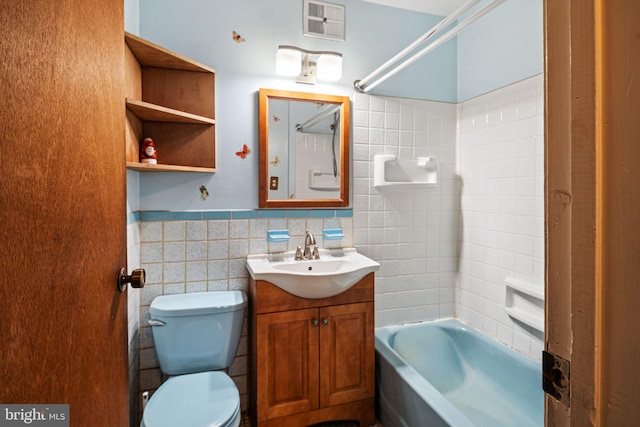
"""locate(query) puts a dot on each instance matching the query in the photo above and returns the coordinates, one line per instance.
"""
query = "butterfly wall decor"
(204, 193)
(238, 38)
(244, 153)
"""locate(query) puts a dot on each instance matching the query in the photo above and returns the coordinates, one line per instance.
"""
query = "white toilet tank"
(197, 332)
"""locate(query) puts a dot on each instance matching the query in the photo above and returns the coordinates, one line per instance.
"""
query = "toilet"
(196, 337)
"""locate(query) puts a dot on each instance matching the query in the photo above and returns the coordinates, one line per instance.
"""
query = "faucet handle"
(298, 255)
(315, 254)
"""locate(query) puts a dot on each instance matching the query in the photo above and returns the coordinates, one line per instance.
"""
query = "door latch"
(556, 377)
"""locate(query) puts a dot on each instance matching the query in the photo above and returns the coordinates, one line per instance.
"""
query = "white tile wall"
(501, 164)
(414, 235)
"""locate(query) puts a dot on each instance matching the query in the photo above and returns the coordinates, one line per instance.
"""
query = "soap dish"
(275, 236)
(333, 234)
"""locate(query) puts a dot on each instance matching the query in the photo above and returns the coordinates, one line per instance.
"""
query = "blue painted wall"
(202, 29)
(131, 21)
(131, 16)
(502, 48)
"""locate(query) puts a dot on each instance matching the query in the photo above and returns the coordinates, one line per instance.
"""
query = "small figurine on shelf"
(148, 153)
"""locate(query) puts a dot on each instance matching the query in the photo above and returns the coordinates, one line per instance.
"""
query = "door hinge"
(556, 377)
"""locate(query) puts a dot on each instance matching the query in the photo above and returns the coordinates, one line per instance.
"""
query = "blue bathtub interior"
(455, 376)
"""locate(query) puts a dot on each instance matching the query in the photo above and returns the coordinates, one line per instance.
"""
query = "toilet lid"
(208, 399)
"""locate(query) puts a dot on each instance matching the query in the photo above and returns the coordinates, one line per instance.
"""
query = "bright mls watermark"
(34, 415)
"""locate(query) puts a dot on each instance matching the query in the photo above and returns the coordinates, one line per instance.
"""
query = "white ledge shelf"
(524, 302)
(391, 173)
(404, 186)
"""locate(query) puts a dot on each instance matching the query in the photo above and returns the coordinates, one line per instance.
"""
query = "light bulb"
(288, 62)
(329, 67)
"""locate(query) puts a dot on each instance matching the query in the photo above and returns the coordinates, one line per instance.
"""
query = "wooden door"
(347, 353)
(287, 368)
(63, 324)
(593, 201)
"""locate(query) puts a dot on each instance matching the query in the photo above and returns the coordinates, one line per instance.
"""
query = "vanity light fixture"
(307, 65)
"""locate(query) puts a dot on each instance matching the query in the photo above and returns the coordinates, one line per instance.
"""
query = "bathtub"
(444, 373)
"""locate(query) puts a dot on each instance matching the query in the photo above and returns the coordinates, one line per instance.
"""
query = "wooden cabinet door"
(347, 353)
(287, 371)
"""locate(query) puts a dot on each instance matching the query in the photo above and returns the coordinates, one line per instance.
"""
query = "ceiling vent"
(323, 20)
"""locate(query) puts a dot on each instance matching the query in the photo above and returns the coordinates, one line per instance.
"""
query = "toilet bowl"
(202, 399)
(196, 335)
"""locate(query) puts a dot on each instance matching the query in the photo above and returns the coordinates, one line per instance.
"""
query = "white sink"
(335, 272)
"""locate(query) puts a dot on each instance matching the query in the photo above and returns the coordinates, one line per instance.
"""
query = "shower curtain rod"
(365, 84)
(433, 31)
(323, 113)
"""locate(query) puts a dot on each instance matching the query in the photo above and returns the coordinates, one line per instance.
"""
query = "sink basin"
(335, 272)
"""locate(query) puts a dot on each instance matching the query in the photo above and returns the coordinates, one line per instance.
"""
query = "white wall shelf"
(391, 173)
(524, 302)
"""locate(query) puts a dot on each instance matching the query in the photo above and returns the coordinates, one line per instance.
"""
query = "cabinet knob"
(314, 322)
(325, 322)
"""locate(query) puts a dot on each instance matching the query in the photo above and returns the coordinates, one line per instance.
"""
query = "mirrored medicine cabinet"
(304, 150)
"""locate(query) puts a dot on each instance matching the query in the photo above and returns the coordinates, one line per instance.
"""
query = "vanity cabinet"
(171, 99)
(312, 360)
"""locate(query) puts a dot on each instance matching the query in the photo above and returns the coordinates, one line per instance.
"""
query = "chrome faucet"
(310, 247)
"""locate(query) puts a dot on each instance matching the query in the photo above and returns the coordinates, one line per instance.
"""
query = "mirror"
(304, 150)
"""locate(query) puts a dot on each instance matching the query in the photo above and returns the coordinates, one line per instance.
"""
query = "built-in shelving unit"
(171, 99)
